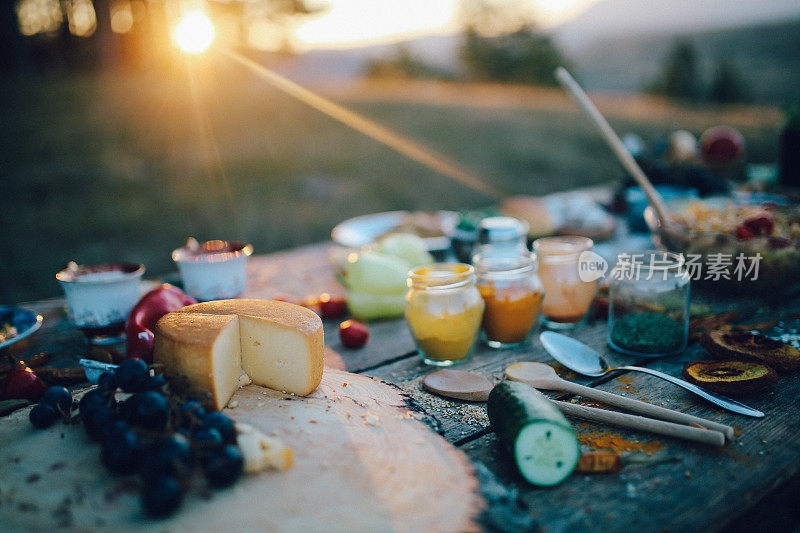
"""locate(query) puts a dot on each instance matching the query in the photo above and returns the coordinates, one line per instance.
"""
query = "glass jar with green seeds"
(648, 312)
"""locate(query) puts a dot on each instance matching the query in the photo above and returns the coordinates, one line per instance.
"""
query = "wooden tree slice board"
(363, 462)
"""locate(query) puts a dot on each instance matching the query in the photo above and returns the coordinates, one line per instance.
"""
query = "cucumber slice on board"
(544, 446)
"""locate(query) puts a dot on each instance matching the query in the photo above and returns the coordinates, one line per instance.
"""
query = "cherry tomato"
(353, 334)
(761, 224)
(332, 306)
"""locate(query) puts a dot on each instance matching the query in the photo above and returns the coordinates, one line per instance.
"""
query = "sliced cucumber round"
(546, 453)
(543, 443)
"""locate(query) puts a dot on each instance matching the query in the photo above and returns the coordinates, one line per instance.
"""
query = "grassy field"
(125, 166)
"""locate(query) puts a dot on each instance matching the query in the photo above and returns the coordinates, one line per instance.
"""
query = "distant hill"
(767, 56)
(608, 19)
(341, 65)
(611, 51)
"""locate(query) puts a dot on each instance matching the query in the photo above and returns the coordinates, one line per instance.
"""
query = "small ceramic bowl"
(213, 270)
(100, 297)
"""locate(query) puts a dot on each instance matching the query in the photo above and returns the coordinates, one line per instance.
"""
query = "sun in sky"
(194, 33)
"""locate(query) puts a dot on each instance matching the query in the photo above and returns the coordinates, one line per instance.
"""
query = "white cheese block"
(205, 348)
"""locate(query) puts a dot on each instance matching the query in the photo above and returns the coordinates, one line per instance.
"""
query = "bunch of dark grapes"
(55, 403)
(152, 434)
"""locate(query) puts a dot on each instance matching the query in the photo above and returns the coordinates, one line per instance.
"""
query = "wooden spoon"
(458, 384)
(624, 157)
(465, 385)
(542, 376)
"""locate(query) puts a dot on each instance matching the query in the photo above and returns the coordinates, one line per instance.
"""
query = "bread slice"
(731, 343)
(730, 378)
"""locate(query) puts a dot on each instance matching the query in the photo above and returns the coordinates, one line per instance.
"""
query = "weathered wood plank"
(461, 419)
(298, 273)
(389, 340)
(701, 486)
(705, 487)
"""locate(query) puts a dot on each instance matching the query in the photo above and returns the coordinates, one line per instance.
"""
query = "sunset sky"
(358, 22)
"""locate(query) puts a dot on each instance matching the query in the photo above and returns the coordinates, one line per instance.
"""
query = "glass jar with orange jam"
(512, 293)
(443, 311)
(568, 297)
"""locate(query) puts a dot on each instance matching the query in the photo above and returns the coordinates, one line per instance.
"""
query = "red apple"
(721, 145)
(21, 383)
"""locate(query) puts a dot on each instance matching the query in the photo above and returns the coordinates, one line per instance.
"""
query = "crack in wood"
(385, 363)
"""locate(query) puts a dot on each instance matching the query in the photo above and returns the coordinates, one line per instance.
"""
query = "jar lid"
(441, 276)
(561, 249)
(501, 229)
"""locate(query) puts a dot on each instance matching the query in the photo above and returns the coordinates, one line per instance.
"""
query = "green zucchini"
(541, 440)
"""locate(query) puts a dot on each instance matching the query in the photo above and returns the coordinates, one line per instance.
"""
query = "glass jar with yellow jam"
(512, 293)
(443, 311)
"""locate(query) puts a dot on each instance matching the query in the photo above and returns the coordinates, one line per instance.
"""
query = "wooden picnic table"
(752, 481)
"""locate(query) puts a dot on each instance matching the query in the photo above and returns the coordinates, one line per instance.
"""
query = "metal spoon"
(578, 357)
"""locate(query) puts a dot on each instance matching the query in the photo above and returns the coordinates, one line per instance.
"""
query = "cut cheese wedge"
(205, 348)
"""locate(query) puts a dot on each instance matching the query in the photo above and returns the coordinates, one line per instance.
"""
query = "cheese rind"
(205, 347)
(294, 316)
(200, 355)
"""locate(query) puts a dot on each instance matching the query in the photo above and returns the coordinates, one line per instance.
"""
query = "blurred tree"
(502, 44)
(491, 18)
(679, 78)
(88, 33)
(404, 64)
(727, 86)
(520, 57)
(105, 39)
(13, 52)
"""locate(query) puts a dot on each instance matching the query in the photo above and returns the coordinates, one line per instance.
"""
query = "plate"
(366, 229)
(25, 320)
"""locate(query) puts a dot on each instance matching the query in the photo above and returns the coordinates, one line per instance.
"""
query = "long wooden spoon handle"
(614, 142)
(644, 408)
(660, 427)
